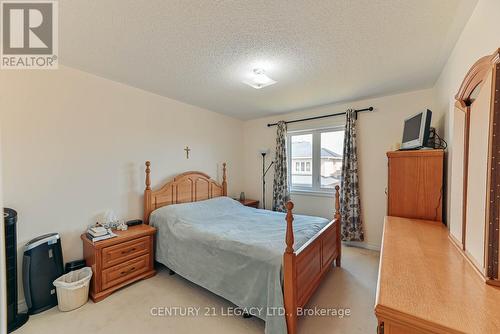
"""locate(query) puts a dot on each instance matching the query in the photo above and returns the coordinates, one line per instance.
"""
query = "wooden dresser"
(415, 184)
(119, 261)
(425, 285)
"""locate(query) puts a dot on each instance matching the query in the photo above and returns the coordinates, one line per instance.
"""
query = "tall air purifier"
(14, 319)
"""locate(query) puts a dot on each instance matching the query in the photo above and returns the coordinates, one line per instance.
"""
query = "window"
(301, 153)
(316, 157)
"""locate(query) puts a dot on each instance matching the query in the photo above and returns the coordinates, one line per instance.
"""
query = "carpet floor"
(130, 310)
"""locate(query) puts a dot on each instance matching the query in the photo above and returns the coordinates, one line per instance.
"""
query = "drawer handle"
(128, 251)
(127, 271)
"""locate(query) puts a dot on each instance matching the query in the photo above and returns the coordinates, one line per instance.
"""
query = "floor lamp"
(264, 152)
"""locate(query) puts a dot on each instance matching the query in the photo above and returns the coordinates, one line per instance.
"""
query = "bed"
(236, 252)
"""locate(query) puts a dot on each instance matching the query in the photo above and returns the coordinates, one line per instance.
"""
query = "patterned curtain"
(280, 184)
(350, 204)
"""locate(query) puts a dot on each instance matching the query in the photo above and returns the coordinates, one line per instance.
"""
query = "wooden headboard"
(184, 188)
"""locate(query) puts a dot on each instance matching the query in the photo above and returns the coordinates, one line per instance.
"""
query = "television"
(416, 130)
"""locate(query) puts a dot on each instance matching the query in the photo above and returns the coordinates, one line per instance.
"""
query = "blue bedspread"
(232, 250)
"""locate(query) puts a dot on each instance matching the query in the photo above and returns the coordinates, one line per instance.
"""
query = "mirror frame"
(464, 100)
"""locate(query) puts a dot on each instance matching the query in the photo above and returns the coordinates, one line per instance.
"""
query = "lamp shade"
(264, 151)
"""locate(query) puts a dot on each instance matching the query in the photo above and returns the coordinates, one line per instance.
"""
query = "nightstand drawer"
(123, 272)
(116, 254)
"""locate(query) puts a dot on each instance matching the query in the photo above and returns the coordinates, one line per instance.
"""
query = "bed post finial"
(289, 227)
(148, 171)
(147, 194)
(224, 181)
(339, 226)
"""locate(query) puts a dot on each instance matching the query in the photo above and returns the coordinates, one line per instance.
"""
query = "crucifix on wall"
(187, 149)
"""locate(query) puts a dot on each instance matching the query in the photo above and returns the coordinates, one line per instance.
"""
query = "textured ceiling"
(320, 52)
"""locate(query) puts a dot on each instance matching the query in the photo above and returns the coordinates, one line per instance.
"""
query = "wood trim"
(413, 153)
(410, 322)
(466, 256)
(490, 188)
(460, 106)
(493, 282)
(186, 187)
(493, 200)
(466, 173)
(475, 77)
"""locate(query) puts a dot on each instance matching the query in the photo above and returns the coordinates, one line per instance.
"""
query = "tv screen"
(412, 128)
(416, 130)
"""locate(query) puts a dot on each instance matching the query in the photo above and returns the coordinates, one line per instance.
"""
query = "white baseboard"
(364, 245)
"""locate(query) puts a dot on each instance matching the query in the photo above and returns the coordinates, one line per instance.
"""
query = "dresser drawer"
(125, 251)
(125, 271)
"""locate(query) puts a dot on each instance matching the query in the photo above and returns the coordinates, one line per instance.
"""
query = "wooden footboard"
(305, 267)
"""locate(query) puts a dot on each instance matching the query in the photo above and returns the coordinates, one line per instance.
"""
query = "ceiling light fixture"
(258, 79)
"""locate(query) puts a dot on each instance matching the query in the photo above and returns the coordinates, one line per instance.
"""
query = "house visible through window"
(316, 158)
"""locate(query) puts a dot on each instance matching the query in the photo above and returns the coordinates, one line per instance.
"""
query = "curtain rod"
(324, 116)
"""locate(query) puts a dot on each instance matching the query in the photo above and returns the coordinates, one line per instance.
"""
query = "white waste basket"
(73, 289)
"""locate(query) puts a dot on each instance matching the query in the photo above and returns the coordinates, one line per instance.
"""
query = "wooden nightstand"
(119, 261)
(250, 202)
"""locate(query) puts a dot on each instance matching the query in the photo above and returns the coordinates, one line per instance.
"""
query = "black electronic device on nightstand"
(134, 222)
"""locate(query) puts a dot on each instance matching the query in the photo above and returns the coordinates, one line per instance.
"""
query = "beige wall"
(479, 38)
(75, 144)
(377, 131)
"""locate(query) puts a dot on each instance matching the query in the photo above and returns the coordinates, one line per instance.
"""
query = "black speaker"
(14, 319)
